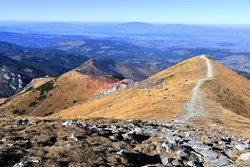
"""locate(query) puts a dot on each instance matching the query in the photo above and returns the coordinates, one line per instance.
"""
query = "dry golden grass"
(150, 104)
(2, 100)
(69, 90)
(228, 101)
(38, 82)
(34, 83)
(229, 90)
(226, 98)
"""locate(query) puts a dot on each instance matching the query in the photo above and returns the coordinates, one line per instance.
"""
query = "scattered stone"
(26, 163)
(165, 160)
(244, 156)
(26, 122)
(120, 152)
(73, 137)
(73, 122)
(167, 146)
(241, 147)
(3, 140)
(117, 142)
(20, 164)
(181, 154)
(190, 163)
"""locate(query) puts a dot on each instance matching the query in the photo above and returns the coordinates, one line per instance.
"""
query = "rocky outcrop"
(97, 142)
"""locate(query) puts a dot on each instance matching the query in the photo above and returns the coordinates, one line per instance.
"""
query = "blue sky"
(152, 11)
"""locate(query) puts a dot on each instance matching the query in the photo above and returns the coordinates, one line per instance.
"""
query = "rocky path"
(194, 109)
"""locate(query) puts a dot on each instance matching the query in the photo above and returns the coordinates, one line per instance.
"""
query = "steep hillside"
(50, 62)
(128, 70)
(50, 95)
(14, 76)
(19, 65)
(160, 104)
(198, 90)
(227, 99)
(98, 68)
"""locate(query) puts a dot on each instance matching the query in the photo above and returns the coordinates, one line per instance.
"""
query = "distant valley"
(162, 53)
(40, 55)
(29, 63)
(154, 35)
(51, 115)
(124, 83)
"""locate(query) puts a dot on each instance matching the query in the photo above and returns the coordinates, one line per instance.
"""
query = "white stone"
(138, 130)
(167, 146)
(73, 122)
(3, 140)
(35, 161)
(244, 156)
(73, 137)
(165, 160)
(181, 153)
(20, 164)
(190, 163)
(241, 147)
(119, 152)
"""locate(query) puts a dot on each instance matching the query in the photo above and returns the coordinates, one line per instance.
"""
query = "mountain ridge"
(222, 97)
(28, 63)
(120, 69)
(220, 94)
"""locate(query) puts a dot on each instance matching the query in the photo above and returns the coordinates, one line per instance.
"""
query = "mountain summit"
(196, 90)
(128, 70)
(195, 113)
(99, 68)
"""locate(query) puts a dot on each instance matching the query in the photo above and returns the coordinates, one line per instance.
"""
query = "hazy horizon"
(127, 22)
(192, 12)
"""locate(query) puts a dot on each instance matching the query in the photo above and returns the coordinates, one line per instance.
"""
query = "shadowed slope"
(128, 70)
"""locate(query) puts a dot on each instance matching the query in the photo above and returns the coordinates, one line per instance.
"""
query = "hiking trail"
(194, 109)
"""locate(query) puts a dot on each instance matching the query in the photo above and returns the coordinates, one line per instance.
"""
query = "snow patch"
(20, 82)
(13, 87)
(6, 76)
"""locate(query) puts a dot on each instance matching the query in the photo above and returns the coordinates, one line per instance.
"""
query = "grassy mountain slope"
(47, 96)
(159, 104)
(225, 98)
